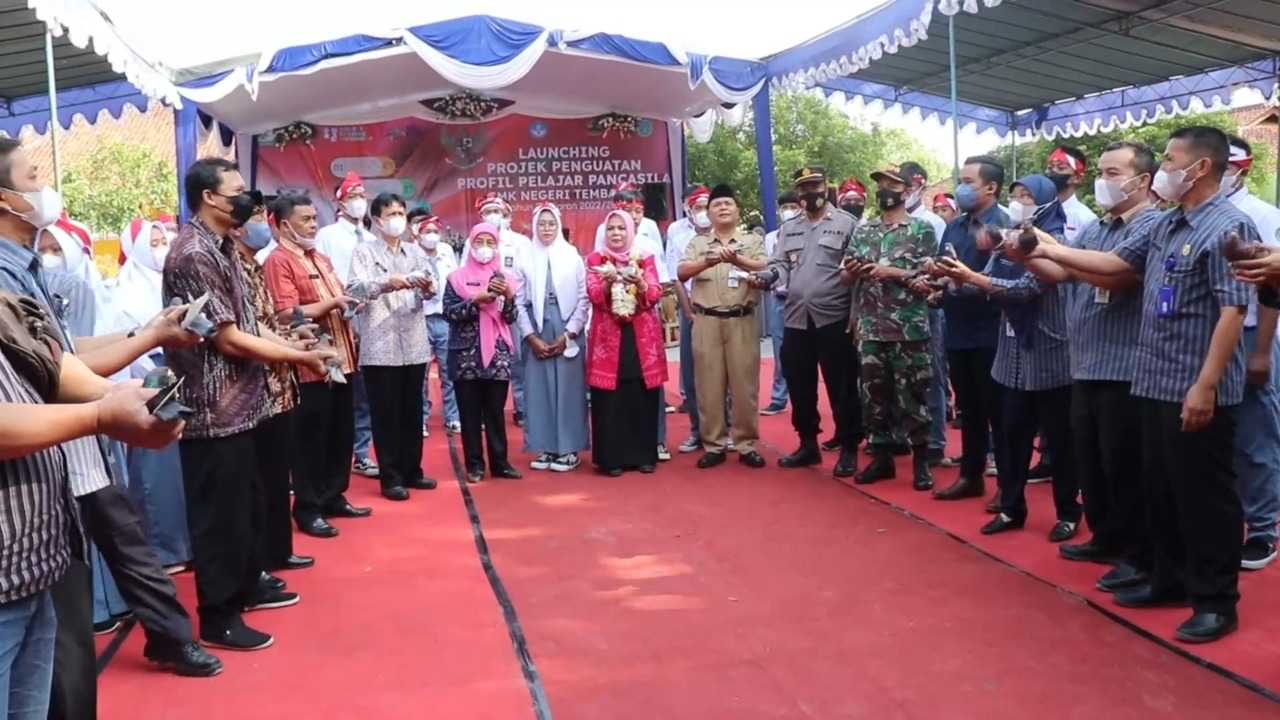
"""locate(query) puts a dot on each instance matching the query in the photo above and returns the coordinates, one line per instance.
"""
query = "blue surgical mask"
(966, 198)
(257, 234)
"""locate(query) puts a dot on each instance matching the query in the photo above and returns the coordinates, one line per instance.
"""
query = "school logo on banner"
(538, 130)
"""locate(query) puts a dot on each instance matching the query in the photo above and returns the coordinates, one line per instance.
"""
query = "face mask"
(813, 200)
(159, 254)
(241, 208)
(505, 223)
(493, 218)
(356, 208)
(1110, 193)
(913, 200)
(430, 240)
(483, 254)
(701, 219)
(1172, 185)
(304, 243)
(46, 206)
(1020, 213)
(854, 209)
(393, 227)
(888, 199)
(257, 235)
(788, 214)
(1060, 180)
(966, 198)
(53, 262)
(1229, 184)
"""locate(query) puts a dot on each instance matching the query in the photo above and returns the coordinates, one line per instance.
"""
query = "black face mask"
(1060, 180)
(888, 199)
(813, 200)
(241, 207)
(854, 209)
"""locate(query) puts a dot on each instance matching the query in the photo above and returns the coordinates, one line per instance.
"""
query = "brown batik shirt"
(282, 380)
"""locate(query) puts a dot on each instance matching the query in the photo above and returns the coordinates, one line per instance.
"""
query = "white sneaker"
(543, 461)
(693, 444)
(366, 467)
(663, 453)
(425, 432)
(565, 463)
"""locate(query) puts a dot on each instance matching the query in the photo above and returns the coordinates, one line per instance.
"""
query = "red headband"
(697, 195)
(349, 183)
(488, 201)
(1240, 158)
(1061, 156)
(942, 199)
(852, 187)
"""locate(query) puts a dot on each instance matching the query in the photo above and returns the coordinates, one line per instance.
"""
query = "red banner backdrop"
(526, 160)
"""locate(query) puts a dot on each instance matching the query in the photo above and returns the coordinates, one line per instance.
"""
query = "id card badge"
(1008, 330)
(1101, 297)
(733, 282)
(1165, 297)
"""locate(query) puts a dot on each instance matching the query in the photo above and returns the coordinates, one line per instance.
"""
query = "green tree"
(1032, 155)
(806, 129)
(109, 186)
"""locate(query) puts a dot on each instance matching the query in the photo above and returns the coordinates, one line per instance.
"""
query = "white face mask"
(53, 262)
(46, 206)
(913, 200)
(1172, 185)
(483, 254)
(1020, 213)
(1110, 193)
(393, 227)
(788, 214)
(493, 218)
(1230, 183)
(430, 240)
(356, 208)
(701, 219)
(159, 254)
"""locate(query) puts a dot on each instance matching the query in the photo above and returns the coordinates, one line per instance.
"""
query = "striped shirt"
(39, 528)
(1042, 361)
(22, 274)
(1183, 251)
(1103, 325)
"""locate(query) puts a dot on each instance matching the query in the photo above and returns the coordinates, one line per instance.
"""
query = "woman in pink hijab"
(479, 305)
(626, 361)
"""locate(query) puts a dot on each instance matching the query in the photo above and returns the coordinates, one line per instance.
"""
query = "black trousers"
(273, 444)
(980, 399)
(322, 465)
(395, 408)
(481, 402)
(1105, 425)
(1193, 509)
(829, 349)
(225, 511)
(1026, 411)
(74, 693)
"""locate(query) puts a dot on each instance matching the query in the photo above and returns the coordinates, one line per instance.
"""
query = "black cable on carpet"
(109, 652)
(537, 693)
(1110, 614)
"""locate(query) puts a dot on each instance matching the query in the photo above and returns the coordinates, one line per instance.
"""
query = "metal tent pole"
(1013, 135)
(955, 101)
(53, 108)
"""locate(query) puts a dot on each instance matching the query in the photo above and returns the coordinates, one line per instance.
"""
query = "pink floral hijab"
(622, 256)
(472, 278)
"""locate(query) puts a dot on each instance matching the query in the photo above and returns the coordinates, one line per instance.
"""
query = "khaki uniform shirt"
(724, 286)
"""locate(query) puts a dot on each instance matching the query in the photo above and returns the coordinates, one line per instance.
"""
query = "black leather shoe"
(711, 459)
(832, 445)
(806, 455)
(1063, 530)
(881, 468)
(752, 459)
(317, 527)
(189, 660)
(506, 473)
(1122, 577)
(396, 493)
(847, 464)
(921, 475)
(1207, 627)
(1089, 551)
(647, 469)
(993, 507)
(962, 489)
(1145, 596)
(611, 472)
(1002, 523)
(423, 483)
(297, 562)
(347, 510)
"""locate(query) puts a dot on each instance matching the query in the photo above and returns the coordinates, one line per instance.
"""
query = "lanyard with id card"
(1165, 295)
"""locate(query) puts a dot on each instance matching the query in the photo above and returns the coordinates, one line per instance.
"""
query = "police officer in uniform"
(726, 333)
(892, 326)
(807, 260)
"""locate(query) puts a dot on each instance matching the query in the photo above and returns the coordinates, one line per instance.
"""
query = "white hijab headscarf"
(565, 269)
(138, 296)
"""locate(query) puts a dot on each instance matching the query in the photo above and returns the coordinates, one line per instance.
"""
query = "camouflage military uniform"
(893, 331)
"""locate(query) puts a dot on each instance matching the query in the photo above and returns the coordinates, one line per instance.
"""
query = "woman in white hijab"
(155, 475)
(62, 252)
(552, 308)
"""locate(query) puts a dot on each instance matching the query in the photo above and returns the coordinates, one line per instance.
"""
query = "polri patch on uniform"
(794, 256)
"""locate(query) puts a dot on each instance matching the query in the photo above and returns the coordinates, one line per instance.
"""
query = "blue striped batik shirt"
(1043, 363)
(1171, 351)
(1103, 325)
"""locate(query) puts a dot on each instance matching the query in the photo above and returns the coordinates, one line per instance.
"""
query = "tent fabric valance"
(87, 102)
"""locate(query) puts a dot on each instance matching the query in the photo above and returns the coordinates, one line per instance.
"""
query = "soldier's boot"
(806, 455)
(921, 476)
(881, 467)
(847, 465)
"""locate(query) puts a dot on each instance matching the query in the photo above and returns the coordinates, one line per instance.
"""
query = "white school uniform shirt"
(442, 264)
(1079, 217)
(648, 239)
(1267, 219)
(923, 213)
(338, 243)
(679, 234)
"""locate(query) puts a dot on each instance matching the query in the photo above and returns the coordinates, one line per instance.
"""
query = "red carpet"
(688, 594)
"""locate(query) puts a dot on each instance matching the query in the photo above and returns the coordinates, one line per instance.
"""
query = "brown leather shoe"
(962, 489)
(993, 507)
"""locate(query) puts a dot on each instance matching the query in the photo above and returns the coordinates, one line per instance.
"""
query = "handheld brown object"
(1027, 241)
(1236, 249)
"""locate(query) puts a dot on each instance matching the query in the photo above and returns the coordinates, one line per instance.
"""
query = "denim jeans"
(1257, 449)
(438, 334)
(364, 426)
(938, 385)
(27, 628)
(686, 374)
(773, 326)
